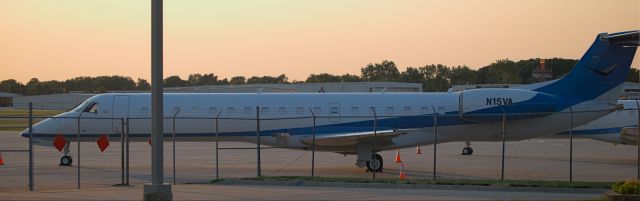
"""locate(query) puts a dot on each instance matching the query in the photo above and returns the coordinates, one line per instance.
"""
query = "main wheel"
(467, 151)
(375, 164)
(66, 161)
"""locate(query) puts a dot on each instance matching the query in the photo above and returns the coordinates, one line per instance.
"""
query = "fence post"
(259, 173)
(30, 146)
(638, 138)
(435, 140)
(375, 136)
(570, 144)
(122, 149)
(504, 119)
(217, 166)
(173, 141)
(78, 141)
(126, 137)
(313, 144)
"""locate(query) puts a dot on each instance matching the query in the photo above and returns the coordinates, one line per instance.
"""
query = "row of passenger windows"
(298, 110)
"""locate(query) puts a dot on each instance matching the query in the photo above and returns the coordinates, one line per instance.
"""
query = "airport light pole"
(157, 189)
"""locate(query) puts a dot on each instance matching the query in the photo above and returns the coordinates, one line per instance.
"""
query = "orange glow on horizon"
(58, 40)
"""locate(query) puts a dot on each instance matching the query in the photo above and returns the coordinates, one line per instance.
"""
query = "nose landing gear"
(66, 159)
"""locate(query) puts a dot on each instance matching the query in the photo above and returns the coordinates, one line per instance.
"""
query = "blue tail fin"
(603, 67)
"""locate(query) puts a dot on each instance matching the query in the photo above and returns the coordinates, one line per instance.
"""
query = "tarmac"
(535, 159)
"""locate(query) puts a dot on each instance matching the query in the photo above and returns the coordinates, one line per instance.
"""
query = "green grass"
(473, 182)
(20, 123)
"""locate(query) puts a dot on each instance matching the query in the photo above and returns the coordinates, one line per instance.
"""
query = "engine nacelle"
(490, 104)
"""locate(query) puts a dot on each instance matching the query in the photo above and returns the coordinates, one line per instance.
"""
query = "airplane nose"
(25, 133)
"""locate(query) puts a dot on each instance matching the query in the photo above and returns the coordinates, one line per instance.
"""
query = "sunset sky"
(61, 39)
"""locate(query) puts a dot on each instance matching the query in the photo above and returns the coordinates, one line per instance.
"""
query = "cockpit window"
(91, 107)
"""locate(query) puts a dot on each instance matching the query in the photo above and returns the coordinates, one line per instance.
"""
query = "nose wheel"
(467, 150)
(375, 164)
(66, 160)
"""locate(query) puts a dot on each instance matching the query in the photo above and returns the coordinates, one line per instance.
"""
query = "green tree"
(463, 75)
(412, 75)
(238, 80)
(323, 78)
(12, 86)
(174, 81)
(386, 71)
(143, 84)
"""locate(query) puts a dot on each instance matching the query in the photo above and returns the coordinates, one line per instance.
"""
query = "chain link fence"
(268, 150)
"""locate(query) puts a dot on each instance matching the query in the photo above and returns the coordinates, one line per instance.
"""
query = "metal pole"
(504, 119)
(173, 139)
(570, 144)
(126, 137)
(122, 151)
(157, 189)
(435, 141)
(375, 136)
(638, 138)
(30, 146)
(78, 141)
(258, 139)
(217, 166)
(313, 145)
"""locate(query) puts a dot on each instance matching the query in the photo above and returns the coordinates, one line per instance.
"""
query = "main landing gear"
(375, 164)
(66, 159)
(467, 150)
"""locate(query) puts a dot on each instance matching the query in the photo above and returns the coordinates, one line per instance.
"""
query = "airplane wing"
(383, 137)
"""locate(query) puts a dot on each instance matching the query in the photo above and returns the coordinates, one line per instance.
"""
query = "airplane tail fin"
(603, 67)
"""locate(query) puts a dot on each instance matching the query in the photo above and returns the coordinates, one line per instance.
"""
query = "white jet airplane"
(619, 127)
(363, 124)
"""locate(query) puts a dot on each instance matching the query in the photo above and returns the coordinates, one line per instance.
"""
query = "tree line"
(433, 77)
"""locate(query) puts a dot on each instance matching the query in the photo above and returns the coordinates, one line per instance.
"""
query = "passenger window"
(144, 110)
(264, 110)
(231, 110)
(175, 110)
(424, 110)
(213, 110)
(247, 110)
(282, 110)
(354, 110)
(317, 110)
(389, 110)
(299, 110)
(407, 109)
(194, 110)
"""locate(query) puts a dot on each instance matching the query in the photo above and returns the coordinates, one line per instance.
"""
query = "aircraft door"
(334, 112)
(120, 110)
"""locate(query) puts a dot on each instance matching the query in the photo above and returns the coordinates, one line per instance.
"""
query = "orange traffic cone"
(398, 156)
(418, 150)
(402, 175)
(1, 161)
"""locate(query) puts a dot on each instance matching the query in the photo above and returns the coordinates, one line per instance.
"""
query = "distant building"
(67, 101)
(6, 99)
(303, 88)
(541, 73)
(62, 101)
